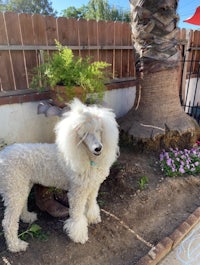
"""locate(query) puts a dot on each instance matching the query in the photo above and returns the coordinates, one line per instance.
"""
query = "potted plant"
(67, 76)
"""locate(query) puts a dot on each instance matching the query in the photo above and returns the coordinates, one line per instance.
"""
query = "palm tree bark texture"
(157, 120)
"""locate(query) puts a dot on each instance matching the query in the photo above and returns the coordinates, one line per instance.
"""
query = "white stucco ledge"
(21, 123)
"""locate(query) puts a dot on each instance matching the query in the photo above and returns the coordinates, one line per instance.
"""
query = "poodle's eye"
(83, 135)
(98, 133)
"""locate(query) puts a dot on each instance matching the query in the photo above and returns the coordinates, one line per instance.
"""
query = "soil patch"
(144, 217)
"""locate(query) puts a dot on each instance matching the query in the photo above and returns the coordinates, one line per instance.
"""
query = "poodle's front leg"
(77, 226)
(93, 210)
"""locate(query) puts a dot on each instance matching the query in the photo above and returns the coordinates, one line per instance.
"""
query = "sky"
(186, 8)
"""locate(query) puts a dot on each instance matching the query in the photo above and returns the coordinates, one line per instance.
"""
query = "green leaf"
(35, 228)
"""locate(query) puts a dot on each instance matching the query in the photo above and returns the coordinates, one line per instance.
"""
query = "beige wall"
(21, 123)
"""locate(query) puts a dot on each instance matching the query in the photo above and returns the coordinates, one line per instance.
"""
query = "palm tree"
(158, 120)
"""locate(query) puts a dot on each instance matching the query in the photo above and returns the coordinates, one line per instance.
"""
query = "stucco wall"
(21, 123)
(120, 100)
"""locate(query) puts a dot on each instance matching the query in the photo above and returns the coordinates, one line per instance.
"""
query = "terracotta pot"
(59, 95)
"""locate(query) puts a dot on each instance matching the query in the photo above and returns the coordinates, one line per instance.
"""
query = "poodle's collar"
(92, 163)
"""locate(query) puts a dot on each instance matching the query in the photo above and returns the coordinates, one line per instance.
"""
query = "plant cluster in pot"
(67, 76)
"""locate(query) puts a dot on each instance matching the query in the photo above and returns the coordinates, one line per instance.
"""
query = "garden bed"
(140, 207)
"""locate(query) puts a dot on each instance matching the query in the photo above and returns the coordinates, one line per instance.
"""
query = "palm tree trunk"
(159, 120)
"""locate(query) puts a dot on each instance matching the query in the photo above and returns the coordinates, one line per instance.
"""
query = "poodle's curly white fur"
(86, 147)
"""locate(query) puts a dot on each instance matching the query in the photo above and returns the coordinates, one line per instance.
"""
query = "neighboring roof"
(195, 19)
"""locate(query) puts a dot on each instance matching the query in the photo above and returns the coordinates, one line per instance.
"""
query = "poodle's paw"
(17, 246)
(29, 217)
(77, 230)
(93, 215)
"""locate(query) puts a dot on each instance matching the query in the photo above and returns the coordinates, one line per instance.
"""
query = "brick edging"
(157, 253)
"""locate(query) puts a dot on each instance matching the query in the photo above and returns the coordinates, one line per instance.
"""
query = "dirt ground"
(145, 216)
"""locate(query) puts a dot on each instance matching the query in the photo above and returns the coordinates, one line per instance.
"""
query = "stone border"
(157, 253)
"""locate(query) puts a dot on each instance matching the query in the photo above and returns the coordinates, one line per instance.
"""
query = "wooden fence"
(23, 37)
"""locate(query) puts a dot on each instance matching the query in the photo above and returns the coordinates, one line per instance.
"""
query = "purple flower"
(161, 157)
(175, 154)
(193, 151)
(169, 161)
(182, 163)
(173, 169)
(181, 170)
(188, 161)
(166, 154)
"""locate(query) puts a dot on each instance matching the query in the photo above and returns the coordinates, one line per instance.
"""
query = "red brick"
(184, 228)
(192, 220)
(146, 260)
(167, 243)
(197, 212)
(161, 250)
(176, 237)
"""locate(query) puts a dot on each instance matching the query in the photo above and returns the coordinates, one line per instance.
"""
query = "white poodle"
(86, 147)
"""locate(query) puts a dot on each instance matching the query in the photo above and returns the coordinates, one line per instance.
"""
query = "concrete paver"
(187, 252)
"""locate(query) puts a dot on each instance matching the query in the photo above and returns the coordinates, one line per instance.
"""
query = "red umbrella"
(195, 19)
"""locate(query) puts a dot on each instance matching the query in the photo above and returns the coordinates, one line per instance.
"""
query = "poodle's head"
(90, 128)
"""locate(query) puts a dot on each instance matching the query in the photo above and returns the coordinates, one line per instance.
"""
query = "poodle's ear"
(77, 105)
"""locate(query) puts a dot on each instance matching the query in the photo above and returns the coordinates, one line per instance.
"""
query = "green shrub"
(63, 68)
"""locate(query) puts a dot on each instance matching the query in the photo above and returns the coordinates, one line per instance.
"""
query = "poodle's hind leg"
(77, 226)
(26, 216)
(14, 205)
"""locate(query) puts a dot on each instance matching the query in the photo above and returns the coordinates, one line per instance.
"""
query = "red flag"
(195, 19)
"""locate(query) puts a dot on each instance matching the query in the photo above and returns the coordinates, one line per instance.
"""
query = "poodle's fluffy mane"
(73, 149)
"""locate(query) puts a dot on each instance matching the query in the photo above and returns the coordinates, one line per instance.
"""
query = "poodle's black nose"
(98, 149)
